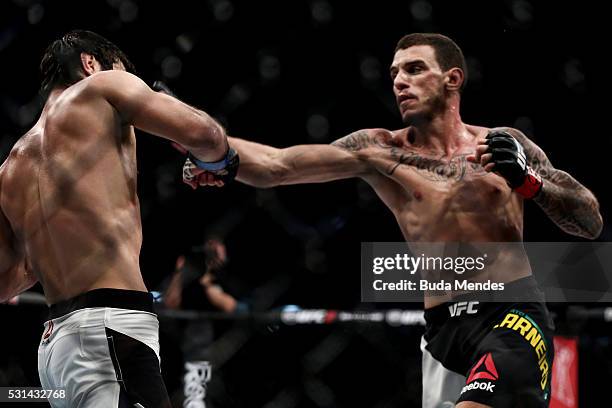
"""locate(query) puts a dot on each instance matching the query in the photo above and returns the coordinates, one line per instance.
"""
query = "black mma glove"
(511, 163)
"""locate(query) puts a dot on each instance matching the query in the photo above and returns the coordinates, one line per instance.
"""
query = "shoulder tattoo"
(358, 140)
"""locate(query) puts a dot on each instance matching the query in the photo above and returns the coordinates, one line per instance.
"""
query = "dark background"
(291, 72)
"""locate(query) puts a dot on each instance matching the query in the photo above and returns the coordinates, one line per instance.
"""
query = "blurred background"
(293, 72)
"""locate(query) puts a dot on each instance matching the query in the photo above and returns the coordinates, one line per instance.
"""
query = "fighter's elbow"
(5, 295)
(595, 228)
(589, 227)
(210, 136)
(14, 281)
(597, 231)
(5, 284)
(217, 136)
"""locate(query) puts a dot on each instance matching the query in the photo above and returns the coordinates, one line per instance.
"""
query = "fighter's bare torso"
(69, 192)
(439, 197)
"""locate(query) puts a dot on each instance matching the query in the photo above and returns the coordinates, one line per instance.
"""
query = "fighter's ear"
(89, 64)
(454, 79)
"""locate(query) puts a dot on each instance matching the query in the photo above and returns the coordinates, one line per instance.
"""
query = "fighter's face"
(418, 82)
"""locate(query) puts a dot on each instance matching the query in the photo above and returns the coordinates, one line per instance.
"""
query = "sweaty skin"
(70, 211)
(431, 174)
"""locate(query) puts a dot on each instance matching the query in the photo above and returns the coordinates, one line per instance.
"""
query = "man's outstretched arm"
(265, 166)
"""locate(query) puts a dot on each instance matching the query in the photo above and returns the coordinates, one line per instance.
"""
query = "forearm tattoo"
(567, 202)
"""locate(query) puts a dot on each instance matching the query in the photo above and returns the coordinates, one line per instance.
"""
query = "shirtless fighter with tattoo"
(446, 181)
(70, 219)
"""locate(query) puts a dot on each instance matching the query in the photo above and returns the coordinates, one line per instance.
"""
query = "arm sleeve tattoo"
(567, 203)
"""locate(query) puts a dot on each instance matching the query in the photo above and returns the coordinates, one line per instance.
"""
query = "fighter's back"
(69, 192)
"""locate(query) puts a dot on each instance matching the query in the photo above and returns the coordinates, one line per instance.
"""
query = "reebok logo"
(478, 385)
(484, 369)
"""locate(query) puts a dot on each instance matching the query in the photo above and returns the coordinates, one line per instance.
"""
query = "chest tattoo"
(433, 169)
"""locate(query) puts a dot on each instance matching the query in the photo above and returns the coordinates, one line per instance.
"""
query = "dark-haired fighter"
(446, 181)
(70, 219)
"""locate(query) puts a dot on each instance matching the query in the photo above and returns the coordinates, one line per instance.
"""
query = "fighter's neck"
(53, 96)
(49, 102)
(444, 133)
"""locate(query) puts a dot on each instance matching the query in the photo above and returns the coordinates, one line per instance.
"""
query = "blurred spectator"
(195, 285)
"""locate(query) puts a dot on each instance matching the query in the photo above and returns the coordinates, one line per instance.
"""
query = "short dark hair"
(448, 53)
(61, 63)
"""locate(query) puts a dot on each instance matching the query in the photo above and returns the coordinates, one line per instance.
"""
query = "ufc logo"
(457, 308)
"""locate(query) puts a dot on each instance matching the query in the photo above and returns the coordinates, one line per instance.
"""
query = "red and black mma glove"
(511, 163)
(224, 170)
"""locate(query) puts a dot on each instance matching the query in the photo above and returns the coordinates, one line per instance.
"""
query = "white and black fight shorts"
(102, 347)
